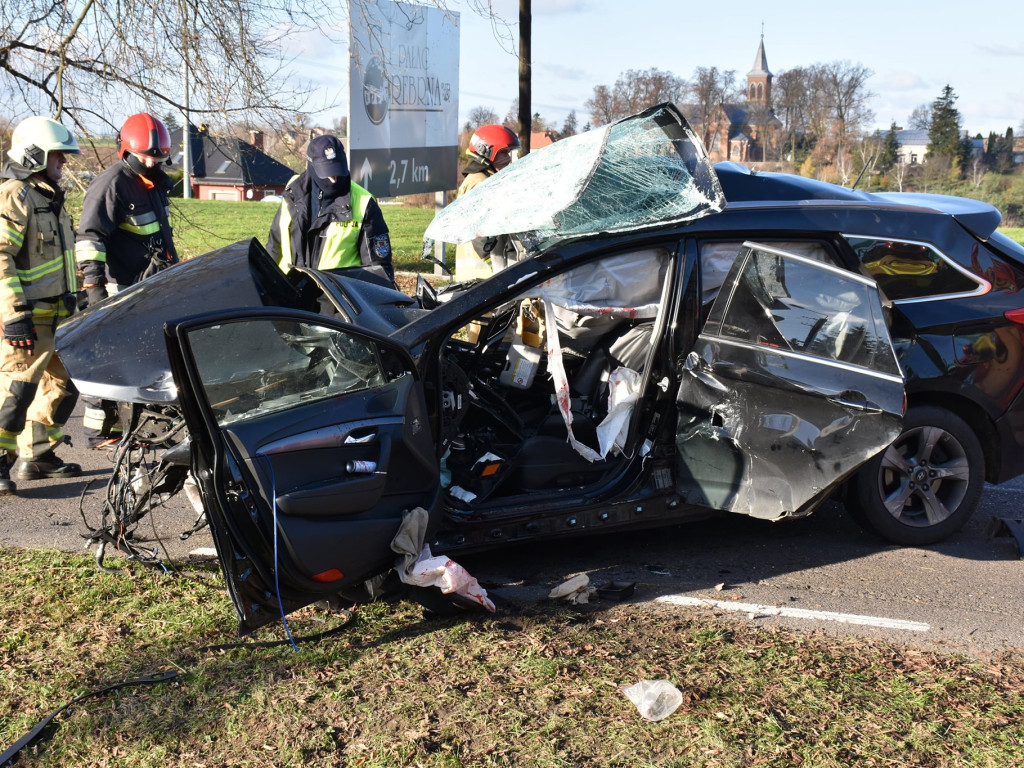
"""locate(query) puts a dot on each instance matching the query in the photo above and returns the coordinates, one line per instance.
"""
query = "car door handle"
(359, 432)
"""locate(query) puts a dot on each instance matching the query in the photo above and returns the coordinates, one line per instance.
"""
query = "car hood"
(645, 170)
(115, 350)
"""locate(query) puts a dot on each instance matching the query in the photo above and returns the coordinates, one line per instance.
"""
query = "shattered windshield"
(647, 169)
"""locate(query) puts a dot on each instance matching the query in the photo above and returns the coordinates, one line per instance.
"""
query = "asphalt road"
(965, 594)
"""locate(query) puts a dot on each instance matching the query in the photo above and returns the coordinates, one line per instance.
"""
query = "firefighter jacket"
(37, 263)
(478, 259)
(124, 226)
(348, 232)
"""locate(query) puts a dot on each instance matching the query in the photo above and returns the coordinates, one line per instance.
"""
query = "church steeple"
(759, 79)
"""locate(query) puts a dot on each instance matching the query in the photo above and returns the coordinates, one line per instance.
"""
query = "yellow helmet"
(35, 138)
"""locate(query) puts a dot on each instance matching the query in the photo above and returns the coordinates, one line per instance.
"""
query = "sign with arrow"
(403, 98)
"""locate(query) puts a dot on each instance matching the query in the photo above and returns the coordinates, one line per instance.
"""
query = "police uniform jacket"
(348, 232)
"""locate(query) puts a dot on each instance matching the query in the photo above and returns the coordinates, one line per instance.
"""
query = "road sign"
(403, 98)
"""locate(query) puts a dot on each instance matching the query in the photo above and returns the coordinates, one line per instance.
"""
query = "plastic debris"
(654, 699)
(576, 590)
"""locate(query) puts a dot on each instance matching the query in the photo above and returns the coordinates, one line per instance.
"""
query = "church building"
(743, 132)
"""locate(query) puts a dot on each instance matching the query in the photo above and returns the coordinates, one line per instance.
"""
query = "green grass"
(1014, 233)
(204, 225)
(536, 685)
(201, 226)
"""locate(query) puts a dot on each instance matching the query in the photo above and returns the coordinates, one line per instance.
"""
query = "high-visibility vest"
(340, 238)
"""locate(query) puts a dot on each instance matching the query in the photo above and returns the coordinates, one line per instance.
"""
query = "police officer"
(326, 220)
(124, 235)
(37, 290)
(490, 149)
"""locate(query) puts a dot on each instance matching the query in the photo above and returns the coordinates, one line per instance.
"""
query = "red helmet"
(488, 140)
(143, 134)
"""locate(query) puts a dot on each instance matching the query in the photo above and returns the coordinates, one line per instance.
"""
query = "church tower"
(759, 79)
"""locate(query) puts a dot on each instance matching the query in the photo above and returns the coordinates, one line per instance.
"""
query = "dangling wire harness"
(150, 466)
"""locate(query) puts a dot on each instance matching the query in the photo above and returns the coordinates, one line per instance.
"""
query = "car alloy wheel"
(925, 485)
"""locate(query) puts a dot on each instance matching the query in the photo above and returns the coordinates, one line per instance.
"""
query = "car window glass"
(790, 304)
(647, 169)
(908, 270)
(254, 367)
(716, 258)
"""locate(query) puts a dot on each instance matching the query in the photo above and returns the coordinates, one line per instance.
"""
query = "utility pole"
(186, 132)
(186, 147)
(525, 109)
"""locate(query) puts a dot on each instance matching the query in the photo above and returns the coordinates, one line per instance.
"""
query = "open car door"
(310, 440)
(792, 385)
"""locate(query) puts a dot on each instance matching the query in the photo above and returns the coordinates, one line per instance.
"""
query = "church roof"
(760, 61)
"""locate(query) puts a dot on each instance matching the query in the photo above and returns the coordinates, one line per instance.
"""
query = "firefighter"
(38, 286)
(490, 149)
(327, 221)
(124, 236)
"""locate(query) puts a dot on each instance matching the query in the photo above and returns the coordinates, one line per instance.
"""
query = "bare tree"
(602, 106)
(921, 117)
(634, 91)
(837, 110)
(791, 100)
(89, 61)
(480, 116)
(571, 126)
(708, 88)
(898, 175)
(842, 87)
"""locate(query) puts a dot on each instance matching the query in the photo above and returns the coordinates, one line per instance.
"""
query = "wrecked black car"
(603, 381)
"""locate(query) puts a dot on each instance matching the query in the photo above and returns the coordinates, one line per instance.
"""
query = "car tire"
(926, 485)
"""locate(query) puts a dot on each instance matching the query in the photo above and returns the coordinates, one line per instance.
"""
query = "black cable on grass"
(163, 676)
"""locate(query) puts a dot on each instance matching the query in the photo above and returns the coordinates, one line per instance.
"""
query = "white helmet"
(35, 138)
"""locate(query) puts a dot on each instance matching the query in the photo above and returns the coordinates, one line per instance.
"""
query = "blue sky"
(913, 49)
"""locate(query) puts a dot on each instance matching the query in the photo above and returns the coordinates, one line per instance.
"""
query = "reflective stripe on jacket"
(36, 247)
(340, 246)
(120, 226)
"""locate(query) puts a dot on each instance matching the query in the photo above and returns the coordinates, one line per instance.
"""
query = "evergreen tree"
(890, 153)
(571, 125)
(171, 121)
(1004, 154)
(944, 140)
(991, 149)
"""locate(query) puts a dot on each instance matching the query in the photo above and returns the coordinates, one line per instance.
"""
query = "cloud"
(549, 69)
(902, 81)
(554, 7)
(1012, 51)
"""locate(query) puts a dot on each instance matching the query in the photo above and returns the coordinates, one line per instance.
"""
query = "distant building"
(540, 139)
(226, 168)
(743, 131)
(913, 145)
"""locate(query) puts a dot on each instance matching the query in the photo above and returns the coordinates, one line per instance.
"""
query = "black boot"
(47, 465)
(7, 488)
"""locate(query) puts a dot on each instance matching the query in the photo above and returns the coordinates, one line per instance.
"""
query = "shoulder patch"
(382, 247)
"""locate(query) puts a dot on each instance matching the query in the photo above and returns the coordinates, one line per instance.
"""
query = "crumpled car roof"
(645, 170)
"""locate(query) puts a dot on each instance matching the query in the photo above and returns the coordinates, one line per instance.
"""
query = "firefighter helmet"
(143, 134)
(35, 138)
(488, 141)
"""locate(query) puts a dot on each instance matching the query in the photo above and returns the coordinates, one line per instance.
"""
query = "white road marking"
(797, 613)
